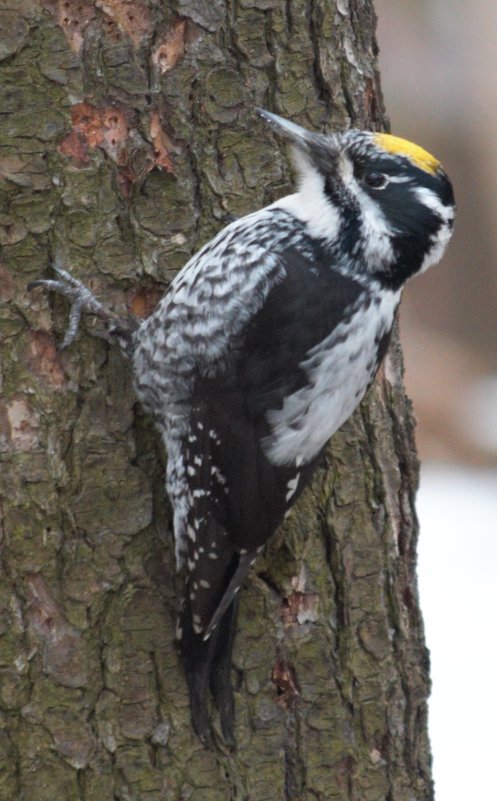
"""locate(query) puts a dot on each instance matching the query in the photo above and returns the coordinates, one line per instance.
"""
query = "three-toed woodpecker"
(263, 346)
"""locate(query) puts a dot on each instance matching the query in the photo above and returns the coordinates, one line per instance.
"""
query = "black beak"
(297, 135)
(320, 150)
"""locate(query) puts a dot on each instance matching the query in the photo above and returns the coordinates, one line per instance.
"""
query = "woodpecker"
(262, 347)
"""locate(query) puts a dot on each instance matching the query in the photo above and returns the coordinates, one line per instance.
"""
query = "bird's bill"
(293, 132)
(319, 150)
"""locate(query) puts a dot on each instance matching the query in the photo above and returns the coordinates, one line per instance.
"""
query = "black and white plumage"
(264, 345)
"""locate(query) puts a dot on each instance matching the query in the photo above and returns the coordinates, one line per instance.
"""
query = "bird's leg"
(82, 300)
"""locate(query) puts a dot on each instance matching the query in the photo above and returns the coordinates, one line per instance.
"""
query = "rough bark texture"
(127, 137)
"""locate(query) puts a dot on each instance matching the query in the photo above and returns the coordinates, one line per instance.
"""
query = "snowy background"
(457, 558)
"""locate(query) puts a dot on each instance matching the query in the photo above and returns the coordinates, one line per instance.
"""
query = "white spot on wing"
(191, 533)
(292, 485)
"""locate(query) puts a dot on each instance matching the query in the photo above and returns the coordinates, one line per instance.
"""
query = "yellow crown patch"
(421, 158)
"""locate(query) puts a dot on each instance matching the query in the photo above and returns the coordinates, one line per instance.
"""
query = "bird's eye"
(376, 180)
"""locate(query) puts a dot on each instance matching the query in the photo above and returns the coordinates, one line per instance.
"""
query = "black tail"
(207, 665)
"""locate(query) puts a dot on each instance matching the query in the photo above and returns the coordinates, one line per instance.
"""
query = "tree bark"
(128, 136)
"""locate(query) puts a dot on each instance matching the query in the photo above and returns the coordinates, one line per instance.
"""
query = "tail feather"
(220, 672)
(207, 665)
(236, 581)
(206, 647)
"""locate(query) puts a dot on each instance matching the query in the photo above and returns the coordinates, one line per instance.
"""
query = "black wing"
(238, 497)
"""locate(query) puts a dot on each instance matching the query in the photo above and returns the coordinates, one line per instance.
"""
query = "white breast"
(339, 370)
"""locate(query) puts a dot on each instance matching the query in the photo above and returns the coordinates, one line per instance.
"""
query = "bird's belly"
(339, 371)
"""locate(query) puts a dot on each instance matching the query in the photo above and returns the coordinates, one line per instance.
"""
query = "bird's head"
(385, 204)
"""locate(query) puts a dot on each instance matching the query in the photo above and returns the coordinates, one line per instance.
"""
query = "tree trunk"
(128, 137)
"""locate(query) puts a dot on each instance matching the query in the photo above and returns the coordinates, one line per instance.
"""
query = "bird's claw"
(82, 300)
(73, 325)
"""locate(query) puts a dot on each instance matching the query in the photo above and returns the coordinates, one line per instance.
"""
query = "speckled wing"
(191, 334)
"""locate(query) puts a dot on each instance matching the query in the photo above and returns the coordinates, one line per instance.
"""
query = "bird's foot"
(82, 300)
